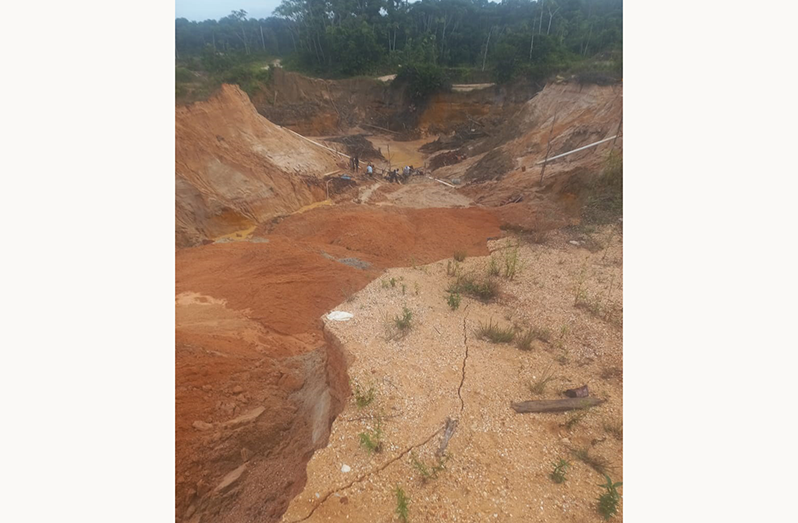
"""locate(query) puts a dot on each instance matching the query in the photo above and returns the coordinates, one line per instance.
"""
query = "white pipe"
(575, 150)
(315, 143)
(441, 181)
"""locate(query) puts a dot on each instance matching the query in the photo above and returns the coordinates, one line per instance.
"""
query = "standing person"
(357, 164)
(352, 163)
(369, 170)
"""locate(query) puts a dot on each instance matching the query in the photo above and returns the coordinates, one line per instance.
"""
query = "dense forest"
(470, 38)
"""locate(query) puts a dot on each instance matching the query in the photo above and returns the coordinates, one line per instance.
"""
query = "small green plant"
(363, 398)
(452, 269)
(393, 282)
(484, 290)
(404, 288)
(453, 300)
(459, 256)
(372, 440)
(385, 284)
(493, 267)
(608, 502)
(495, 334)
(558, 474)
(512, 263)
(401, 504)
(538, 386)
(574, 419)
(416, 287)
(428, 472)
(404, 322)
(525, 340)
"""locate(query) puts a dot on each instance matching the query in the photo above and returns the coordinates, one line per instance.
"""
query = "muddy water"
(398, 154)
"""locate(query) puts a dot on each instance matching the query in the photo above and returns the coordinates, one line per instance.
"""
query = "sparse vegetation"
(539, 236)
(525, 340)
(404, 322)
(608, 501)
(371, 440)
(404, 289)
(401, 504)
(452, 269)
(558, 474)
(597, 463)
(574, 418)
(495, 334)
(426, 472)
(363, 398)
(459, 256)
(512, 263)
(484, 290)
(538, 385)
(493, 267)
(453, 300)
(615, 429)
(608, 311)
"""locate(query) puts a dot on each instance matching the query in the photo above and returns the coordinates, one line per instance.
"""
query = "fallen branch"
(555, 405)
(448, 432)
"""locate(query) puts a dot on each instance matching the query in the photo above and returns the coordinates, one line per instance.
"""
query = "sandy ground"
(498, 461)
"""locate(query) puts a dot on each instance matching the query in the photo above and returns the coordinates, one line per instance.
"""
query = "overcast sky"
(199, 10)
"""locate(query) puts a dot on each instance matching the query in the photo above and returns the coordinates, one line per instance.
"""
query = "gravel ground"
(498, 461)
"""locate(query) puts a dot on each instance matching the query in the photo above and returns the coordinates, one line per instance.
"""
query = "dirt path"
(498, 462)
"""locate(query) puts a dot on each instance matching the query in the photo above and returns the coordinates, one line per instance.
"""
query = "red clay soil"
(248, 337)
(390, 236)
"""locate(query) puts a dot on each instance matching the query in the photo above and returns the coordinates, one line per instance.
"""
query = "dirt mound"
(257, 381)
(504, 166)
(358, 145)
(235, 169)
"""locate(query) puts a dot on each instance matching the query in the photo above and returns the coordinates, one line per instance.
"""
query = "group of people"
(392, 176)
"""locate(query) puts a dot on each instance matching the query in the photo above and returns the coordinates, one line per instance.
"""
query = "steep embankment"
(501, 169)
(317, 107)
(235, 169)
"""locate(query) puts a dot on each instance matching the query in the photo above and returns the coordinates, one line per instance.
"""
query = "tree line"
(355, 37)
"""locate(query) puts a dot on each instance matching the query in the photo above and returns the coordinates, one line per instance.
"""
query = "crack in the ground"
(367, 474)
(465, 359)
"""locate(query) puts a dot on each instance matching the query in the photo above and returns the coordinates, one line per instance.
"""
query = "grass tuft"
(558, 474)
(363, 398)
(459, 256)
(597, 463)
(401, 504)
(538, 386)
(372, 440)
(428, 473)
(453, 300)
(483, 290)
(495, 334)
(404, 322)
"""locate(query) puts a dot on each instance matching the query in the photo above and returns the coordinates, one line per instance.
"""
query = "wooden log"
(448, 432)
(555, 405)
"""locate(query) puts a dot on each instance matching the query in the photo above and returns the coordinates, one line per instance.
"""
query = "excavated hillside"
(264, 252)
(316, 107)
(503, 170)
(235, 169)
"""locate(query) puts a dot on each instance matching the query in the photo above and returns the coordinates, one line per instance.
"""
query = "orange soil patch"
(248, 336)
(391, 237)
